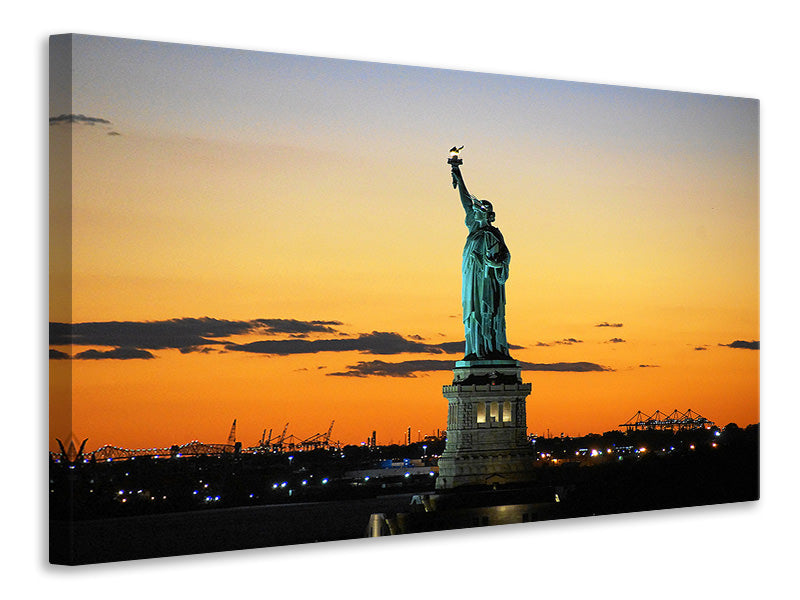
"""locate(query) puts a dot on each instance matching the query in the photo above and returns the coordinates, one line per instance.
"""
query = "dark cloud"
(411, 368)
(576, 367)
(116, 353)
(408, 368)
(80, 119)
(700, 348)
(568, 341)
(196, 349)
(453, 347)
(205, 335)
(615, 341)
(377, 342)
(57, 354)
(188, 334)
(275, 326)
(753, 345)
(648, 366)
(542, 344)
(151, 335)
(605, 324)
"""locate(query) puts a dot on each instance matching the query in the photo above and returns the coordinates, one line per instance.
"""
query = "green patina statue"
(484, 271)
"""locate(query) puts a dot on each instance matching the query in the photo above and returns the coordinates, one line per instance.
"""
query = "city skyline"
(282, 239)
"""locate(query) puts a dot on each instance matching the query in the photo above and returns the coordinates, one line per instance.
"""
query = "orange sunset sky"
(244, 235)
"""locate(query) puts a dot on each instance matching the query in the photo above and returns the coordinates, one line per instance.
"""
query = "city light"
(560, 453)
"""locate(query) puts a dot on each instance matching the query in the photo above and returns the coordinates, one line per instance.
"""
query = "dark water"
(129, 538)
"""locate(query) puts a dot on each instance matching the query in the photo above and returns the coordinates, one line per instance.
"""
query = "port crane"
(318, 440)
(265, 439)
(277, 446)
(675, 421)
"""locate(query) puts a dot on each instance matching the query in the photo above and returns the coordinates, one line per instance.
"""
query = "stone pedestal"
(486, 426)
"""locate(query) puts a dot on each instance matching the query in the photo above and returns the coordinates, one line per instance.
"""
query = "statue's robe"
(485, 264)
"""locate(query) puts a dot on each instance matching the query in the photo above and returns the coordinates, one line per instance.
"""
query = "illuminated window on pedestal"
(495, 412)
(481, 412)
(506, 412)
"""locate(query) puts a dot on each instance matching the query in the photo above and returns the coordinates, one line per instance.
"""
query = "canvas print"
(298, 299)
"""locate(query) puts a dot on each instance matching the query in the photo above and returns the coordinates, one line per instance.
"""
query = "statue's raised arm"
(467, 199)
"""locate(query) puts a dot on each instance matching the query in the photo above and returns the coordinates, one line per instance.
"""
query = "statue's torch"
(454, 159)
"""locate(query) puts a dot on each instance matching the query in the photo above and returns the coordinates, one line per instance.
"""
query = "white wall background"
(740, 49)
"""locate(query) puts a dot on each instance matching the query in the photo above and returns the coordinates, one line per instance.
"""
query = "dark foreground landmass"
(145, 509)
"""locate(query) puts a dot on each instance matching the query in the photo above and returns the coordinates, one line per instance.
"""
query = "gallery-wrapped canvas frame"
(266, 327)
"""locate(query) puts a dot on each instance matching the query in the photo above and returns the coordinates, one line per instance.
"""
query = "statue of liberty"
(484, 271)
(487, 439)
